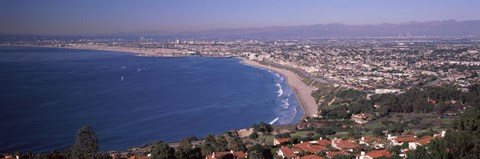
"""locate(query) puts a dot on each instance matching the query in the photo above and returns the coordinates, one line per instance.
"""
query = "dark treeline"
(462, 140)
(438, 100)
(427, 100)
(86, 147)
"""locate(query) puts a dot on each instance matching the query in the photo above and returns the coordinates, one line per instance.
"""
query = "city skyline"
(88, 17)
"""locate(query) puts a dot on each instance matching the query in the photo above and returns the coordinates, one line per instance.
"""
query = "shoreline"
(301, 90)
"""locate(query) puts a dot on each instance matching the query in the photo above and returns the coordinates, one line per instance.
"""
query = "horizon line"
(160, 32)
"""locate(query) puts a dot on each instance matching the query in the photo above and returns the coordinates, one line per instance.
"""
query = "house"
(374, 154)
(217, 155)
(310, 147)
(311, 157)
(286, 152)
(361, 118)
(322, 142)
(346, 145)
(421, 142)
(332, 154)
(280, 141)
(441, 134)
(399, 140)
(372, 141)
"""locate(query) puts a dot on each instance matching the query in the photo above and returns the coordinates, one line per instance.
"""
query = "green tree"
(235, 144)
(419, 153)
(395, 149)
(186, 150)
(464, 138)
(256, 128)
(162, 151)
(221, 144)
(378, 131)
(208, 146)
(107, 156)
(227, 156)
(254, 135)
(461, 141)
(86, 144)
(255, 155)
(438, 149)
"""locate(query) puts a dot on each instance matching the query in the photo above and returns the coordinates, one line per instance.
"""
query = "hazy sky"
(108, 16)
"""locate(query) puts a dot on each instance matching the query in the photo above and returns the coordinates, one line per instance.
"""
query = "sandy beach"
(302, 91)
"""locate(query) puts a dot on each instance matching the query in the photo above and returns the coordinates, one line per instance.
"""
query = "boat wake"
(140, 69)
(274, 120)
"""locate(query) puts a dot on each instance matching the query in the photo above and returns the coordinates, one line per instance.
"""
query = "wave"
(285, 103)
(280, 90)
(274, 120)
(140, 69)
(293, 115)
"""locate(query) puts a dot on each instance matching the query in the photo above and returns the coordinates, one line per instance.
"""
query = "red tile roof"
(311, 147)
(311, 157)
(335, 153)
(324, 142)
(379, 153)
(425, 140)
(368, 138)
(405, 139)
(346, 144)
(289, 152)
(282, 140)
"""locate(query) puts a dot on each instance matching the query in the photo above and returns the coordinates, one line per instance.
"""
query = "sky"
(113, 16)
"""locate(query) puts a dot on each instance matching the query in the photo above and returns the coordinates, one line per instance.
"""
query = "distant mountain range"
(446, 28)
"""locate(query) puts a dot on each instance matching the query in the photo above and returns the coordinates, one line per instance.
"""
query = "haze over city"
(90, 17)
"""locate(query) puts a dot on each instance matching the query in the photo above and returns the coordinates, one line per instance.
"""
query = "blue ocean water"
(47, 94)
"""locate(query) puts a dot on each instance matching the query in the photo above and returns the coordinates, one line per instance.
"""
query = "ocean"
(47, 94)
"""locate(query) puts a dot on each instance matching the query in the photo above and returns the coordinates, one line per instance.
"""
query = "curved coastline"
(301, 90)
